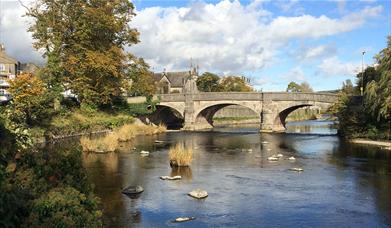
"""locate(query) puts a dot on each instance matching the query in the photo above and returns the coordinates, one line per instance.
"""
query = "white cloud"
(334, 67)
(224, 37)
(229, 37)
(295, 74)
(13, 33)
(313, 53)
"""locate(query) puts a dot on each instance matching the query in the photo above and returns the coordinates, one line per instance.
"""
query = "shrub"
(65, 207)
(180, 156)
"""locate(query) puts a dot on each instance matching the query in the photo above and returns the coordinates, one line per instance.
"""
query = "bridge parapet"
(250, 96)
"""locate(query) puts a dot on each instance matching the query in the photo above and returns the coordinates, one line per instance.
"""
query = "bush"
(65, 207)
(180, 156)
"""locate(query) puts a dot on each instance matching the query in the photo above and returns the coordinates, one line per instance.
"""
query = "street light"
(362, 74)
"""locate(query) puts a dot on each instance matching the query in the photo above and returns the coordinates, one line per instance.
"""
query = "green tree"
(84, 43)
(347, 87)
(370, 74)
(208, 82)
(377, 96)
(142, 83)
(234, 84)
(293, 87)
(303, 87)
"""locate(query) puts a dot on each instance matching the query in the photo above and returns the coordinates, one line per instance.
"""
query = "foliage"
(234, 84)
(303, 87)
(65, 207)
(369, 116)
(180, 156)
(30, 103)
(80, 121)
(142, 83)
(208, 82)
(370, 74)
(84, 43)
(347, 87)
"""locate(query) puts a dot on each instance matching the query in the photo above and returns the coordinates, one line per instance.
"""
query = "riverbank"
(384, 144)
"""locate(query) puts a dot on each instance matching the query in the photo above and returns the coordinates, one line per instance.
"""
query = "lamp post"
(362, 74)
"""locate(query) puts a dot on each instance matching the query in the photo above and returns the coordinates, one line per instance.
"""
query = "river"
(342, 185)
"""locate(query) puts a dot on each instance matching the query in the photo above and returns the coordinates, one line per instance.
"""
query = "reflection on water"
(342, 185)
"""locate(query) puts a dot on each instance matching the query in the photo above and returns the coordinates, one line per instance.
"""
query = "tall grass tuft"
(180, 156)
(109, 143)
(129, 131)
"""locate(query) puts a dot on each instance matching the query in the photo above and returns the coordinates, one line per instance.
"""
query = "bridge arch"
(167, 115)
(280, 120)
(204, 115)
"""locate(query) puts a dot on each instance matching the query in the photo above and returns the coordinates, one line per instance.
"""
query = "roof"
(28, 67)
(5, 59)
(177, 79)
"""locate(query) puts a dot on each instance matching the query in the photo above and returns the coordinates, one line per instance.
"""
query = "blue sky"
(272, 42)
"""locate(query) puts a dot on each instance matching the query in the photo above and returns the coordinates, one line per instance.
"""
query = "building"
(173, 82)
(9, 68)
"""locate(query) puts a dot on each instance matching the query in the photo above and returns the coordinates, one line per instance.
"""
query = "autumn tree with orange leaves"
(84, 43)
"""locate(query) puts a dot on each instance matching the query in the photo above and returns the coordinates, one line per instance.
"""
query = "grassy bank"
(79, 122)
(110, 142)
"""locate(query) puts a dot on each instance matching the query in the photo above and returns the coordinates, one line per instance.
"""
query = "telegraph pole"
(362, 74)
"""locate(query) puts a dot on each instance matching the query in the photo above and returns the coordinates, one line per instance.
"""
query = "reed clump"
(180, 156)
(129, 131)
(108, 143)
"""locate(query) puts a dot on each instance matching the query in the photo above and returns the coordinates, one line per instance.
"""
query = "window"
(2, 67)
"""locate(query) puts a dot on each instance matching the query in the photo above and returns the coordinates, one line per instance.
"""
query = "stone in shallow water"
(184, 219)
(170, 178)
(272, 158)
(296, 169)
(292, 158)
(264, 142)
(144, 153)
(198, 194)
(158, 141)
(279, 155)
(133, 191)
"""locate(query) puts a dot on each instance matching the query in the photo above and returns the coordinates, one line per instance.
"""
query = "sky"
(270, 42)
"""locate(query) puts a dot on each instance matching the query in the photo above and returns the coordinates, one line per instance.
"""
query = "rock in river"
(198, 194)
(184, 219)
(296, 169)
(292, 158)
(144, 153)
(133, 191)
(170, 178)
(272, 158)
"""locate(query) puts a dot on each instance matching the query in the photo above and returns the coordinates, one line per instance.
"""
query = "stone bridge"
(196, 110)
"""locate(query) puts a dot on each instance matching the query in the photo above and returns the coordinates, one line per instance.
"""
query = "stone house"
(9, 68)
(173, 82)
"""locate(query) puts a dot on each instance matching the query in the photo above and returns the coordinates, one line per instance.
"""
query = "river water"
(342, 185)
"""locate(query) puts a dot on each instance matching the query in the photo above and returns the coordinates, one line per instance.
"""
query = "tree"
(370, 74)
(84, 43)
(377, 96)
(30, 102)
(303, 87)
(293, 87)
(347, 87)
(234, 84)
(208, 82)
(142, 83)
